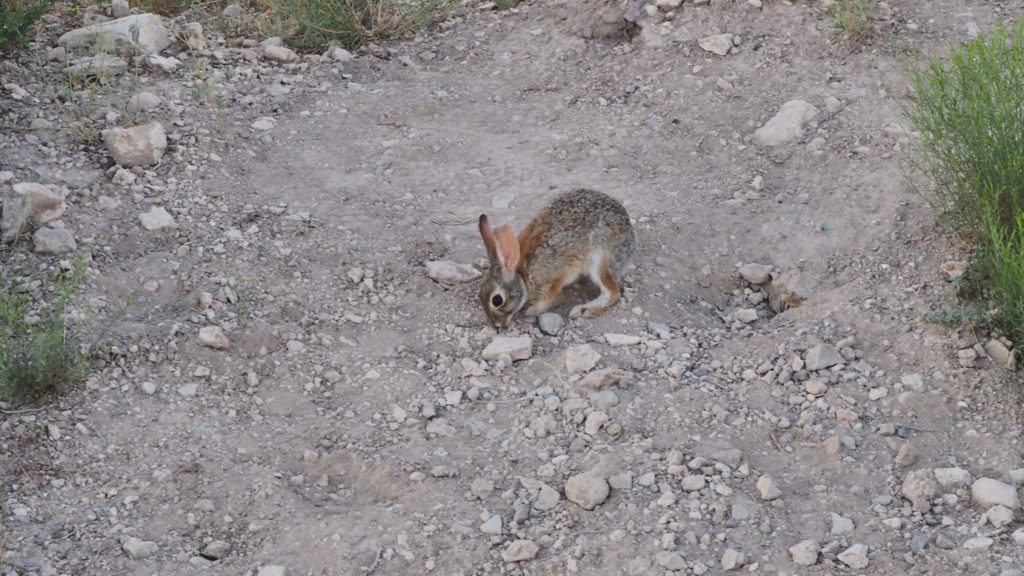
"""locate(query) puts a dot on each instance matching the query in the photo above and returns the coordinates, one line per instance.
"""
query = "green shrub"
(853, 17)
(169, 8)
(43, 353)
(970, 113)
(17, 16)
(969, 110)
(349, 23)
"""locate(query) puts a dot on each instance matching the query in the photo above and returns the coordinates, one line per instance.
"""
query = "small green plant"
(853, 17)
(17, 16)
(169, 8)
(349, 23)
(503, 5)
(44, 351)
(959, 316)
(1001, 272)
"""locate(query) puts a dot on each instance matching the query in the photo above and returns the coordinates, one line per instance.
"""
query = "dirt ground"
(352, 426)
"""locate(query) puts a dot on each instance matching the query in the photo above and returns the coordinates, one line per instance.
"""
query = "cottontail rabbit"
(580, 233)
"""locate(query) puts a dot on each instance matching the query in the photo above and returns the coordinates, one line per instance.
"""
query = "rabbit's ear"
(488, 237)
(508, 247)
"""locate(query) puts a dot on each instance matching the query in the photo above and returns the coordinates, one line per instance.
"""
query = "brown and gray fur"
(580, 233)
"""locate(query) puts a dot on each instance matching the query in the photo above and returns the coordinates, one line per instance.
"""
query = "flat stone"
(213, 337)
(954, 268)
(786, 126)
(693, 482)
(841, 525)
(999, 516)
(732, 559)
(275, 570)
(855, 556)
(515, 347)
(670, 560)
(767, 488)
(520, 550)
(745, 315)
(978, 543)
(587, 489)
(141, 145)
(138, 549)
(605, 377)
(988, 492)
(619, 340)
(54, 241)
(579, 358)
(448, 272)
(550, 323)
(492, 526)
(1000, 354)
(756, 273)
(805, 552)
(157, 219)
(822, 356)
(719, 44)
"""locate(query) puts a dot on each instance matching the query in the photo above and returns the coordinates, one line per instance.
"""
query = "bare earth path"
(352, 427)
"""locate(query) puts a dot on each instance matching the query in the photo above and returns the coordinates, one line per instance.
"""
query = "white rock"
(142, 145)
(123, 177)
(448, 272)
(670, 560)
(587, 489)
(745, 315)
(492, 526)
(978, 543)
(54, 241)
(216, 550)
(595, 420)
(579, 358)
(841, 525)
(126, 36)
(786, 126)
(157, 219)
(732, 559)
(999, 516)
(952, 478)
(855, 556)
(137, 549)
(213, 337)
(919, 487)
(166, 64)
(694, 482)
(274, 570)
(550, 323)
(605, 377)
(1018, 536)
(520, 550)
(515, 347)
(668, 4)
(280, 53)
(338, 54)
(119, 8)
(28, 204)
(805, 552)
(756, 273)
(822, 356)
(767, 488)
(988, 492)
(614, 339)
(719, 44)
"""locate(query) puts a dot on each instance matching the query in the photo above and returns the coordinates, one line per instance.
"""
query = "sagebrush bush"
(348, 23)
(41, 352)
(17, 16)
(969, 110)
(853, 17)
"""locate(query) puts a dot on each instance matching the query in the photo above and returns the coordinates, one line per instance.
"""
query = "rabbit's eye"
(497, 300)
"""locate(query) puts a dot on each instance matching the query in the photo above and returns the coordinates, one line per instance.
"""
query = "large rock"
(54, 241)
(787, 126)
(97, 64)
(805, 552)
(822, 356)
(128, 36)
(448, 272)
(157, 219)
(29, 204)
(855, 556)
(987, 492)
(142, 145)
(515, 347)
(719, 44)
(588, 489)
(520, 550)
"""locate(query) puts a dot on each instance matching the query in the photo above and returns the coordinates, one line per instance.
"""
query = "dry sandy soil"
(352, 426)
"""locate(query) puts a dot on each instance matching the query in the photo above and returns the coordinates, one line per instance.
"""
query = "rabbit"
(580, 233)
